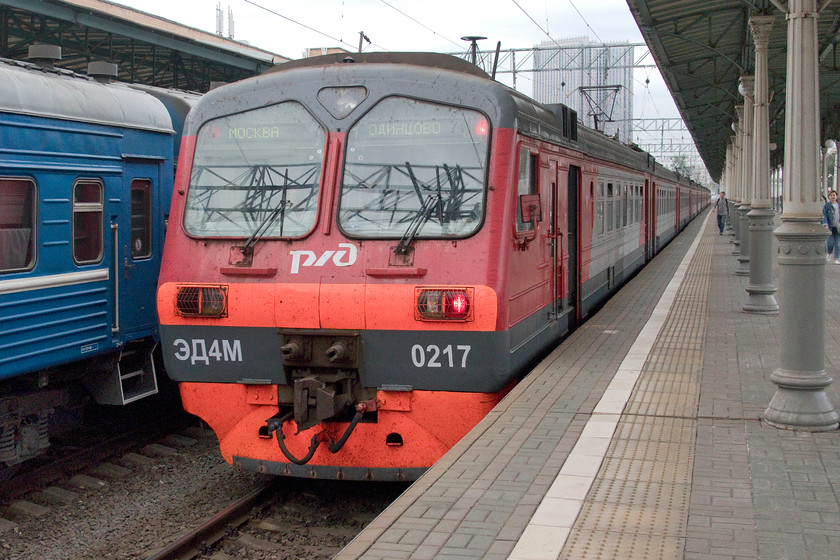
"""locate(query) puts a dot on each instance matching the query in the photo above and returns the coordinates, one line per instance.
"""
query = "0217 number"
(433, 356)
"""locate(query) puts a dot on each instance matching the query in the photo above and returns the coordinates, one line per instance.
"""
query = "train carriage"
(86, 175)
(366, 252)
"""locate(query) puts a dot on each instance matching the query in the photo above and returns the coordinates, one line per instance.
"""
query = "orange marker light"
(201, 301)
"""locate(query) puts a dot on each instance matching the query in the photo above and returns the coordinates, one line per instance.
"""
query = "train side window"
(599, 209)
(88, 206)
(17, 224)
(619, 205)
(610, 204)
(527, 185)
(141, 218)
(625, 204)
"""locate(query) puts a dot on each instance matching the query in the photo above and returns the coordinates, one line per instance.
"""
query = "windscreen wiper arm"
(421, 218)
(248, 247)
(423, 214)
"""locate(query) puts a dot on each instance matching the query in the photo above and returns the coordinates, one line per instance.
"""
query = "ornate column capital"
(760, 27)
(739, 118)
(747, 85)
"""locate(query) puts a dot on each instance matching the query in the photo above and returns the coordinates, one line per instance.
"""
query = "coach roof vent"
(44, 56)
(102, 71)
(568, 119)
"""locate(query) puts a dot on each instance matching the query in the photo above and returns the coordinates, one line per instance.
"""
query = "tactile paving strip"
(613, 545)
(650, 450)
(638, 505)
(654, 494)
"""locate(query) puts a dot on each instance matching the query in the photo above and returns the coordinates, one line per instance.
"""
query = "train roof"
(433, 76)
(427, 59)
(177, 102)
(28, 89)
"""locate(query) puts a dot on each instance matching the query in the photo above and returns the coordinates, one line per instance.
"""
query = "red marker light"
(482, 127)
(457, 304)
(437, 304)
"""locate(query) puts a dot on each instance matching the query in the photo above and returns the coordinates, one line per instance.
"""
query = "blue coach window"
(17, 224)
(141, 218)
(257, 170)
(410, 164)
(88, 209)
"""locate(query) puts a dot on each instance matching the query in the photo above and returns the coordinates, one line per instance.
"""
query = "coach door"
(573, 210)
(554, 236)
(136, 251)
(563, 233)
(650, 220)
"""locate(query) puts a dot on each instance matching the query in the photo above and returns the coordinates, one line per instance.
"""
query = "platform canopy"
(147, 49)
(703, 47)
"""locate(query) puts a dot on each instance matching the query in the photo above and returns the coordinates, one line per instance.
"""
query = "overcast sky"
(394, 25)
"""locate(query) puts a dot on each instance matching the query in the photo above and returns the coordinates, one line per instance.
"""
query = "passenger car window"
(88, 206)
(527, 184)
(141, 218)
(17, 224)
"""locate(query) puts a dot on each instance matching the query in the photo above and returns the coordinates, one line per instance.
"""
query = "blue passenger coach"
(86, 174)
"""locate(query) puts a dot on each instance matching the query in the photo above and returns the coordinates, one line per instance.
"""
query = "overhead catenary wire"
(424, 26)
(328, 36)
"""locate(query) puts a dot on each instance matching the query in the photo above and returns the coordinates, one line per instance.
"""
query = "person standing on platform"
(722, 208)
(831, 219)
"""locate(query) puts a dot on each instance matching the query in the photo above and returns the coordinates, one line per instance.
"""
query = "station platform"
(639, 437)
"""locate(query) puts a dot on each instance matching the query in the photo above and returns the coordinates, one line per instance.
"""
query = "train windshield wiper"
(423, 214)
(248, 247)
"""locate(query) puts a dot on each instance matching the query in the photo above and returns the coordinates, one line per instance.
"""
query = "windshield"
(250, 166)
(411, 164)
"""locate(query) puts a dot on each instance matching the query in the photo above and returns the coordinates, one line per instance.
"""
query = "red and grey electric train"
(366, 252)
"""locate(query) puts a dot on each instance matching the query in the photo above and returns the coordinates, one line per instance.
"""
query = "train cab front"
(324, 298)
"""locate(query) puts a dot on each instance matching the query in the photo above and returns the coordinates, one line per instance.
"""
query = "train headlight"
(444, 304)
(201, 301)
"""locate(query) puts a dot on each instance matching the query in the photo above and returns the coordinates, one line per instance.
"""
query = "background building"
(596, 80)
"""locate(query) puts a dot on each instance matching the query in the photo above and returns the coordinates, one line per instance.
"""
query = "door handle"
(126, 266)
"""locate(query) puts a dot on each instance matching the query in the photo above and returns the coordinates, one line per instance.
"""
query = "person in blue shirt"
(831, 220)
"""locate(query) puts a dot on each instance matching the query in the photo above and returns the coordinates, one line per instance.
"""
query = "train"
(86, 177)
(368, 251)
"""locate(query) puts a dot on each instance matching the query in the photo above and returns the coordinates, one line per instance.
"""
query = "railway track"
(86, 450)
(285, 518)
(168, 494)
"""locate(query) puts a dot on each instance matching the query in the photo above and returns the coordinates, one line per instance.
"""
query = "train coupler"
(316, 401)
